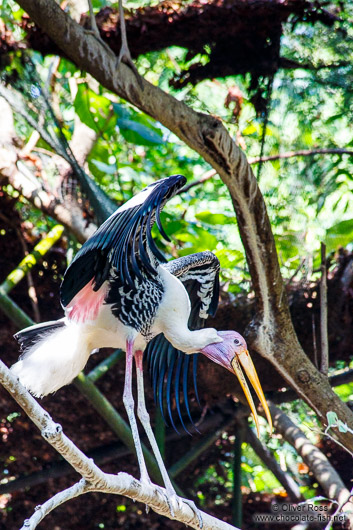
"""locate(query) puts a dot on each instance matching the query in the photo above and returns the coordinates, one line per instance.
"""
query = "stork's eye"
(237, 342)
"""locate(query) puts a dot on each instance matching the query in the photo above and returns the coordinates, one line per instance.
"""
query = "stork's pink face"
(231, 353)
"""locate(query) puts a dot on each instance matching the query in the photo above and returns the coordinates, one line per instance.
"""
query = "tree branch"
(280, 156)
(302, 152)
(253, 27)
(341, 377)
(272, 334)
(317, 462)
(94, 479)
(103, 455)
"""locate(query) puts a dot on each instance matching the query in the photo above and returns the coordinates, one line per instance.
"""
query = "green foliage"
(334, 422)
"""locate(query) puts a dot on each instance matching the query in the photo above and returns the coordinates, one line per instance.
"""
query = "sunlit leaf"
(340, 234)
(215, 218)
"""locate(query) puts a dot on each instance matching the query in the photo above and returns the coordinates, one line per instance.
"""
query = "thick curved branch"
(253, 27)
(317, 462)
(93, 478)
(273, 334)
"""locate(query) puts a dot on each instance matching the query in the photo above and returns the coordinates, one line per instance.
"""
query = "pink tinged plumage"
(86, 304)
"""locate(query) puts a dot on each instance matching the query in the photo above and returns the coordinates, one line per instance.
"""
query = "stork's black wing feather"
(124, 241)
(199, 274)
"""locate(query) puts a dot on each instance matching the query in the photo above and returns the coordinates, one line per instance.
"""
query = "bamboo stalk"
(13, 311)
(31, 259)
(103, 367)
(195, 452)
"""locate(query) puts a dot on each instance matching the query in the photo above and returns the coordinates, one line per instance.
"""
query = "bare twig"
(102, 455)
(301, 152)
(280, 156)
(338, 510)
(323, 313)
(206, 176)
(94, 479)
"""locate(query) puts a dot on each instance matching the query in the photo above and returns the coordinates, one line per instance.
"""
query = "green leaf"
(342, 427)
(246, 467)
(139, 133)
(92, 108)
(215, 218)
(338, 235)
(228, 258)
(332, 418)
(121, 111)
(105, 168)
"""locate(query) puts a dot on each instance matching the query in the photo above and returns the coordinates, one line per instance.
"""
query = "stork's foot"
(125, 57)
(174, 499)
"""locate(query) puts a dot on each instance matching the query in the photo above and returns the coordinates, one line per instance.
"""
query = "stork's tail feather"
(53, 355)
(29, 336)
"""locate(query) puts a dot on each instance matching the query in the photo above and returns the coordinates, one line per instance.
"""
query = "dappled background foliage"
(293, 111)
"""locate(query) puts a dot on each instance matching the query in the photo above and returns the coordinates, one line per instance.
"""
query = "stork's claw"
(179, 501)
(125, 57)
(195, 510)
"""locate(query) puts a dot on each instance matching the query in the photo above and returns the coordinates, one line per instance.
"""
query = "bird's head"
(231, 353)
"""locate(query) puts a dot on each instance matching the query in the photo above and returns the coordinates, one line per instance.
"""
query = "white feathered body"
(58, 356)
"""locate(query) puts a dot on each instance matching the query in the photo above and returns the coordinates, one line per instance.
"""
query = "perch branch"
(101, 455)
(93, 478)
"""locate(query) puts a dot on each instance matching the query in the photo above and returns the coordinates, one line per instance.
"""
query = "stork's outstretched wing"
(124, 241)
(169, 367)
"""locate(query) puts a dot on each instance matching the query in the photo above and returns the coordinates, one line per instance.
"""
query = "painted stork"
(119, 291)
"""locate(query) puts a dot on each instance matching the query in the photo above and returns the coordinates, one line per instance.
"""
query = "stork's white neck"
(173, 315)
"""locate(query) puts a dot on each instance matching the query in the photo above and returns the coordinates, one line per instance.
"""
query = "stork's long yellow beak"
(245, 360)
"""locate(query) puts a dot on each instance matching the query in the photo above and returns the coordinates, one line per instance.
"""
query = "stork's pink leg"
(128, 400)
(145, 420)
